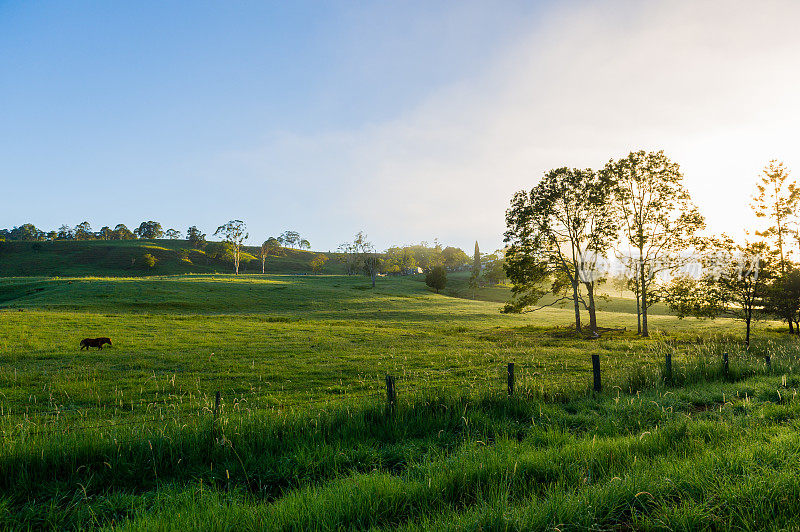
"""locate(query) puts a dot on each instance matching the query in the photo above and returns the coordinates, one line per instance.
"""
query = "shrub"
(149, 260)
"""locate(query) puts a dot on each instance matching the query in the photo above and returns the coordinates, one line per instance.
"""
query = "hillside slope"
(126, 258)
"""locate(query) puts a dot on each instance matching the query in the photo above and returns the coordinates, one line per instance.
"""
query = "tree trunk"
(645, 332)
(577, 307)
(262, 265)
(373, 280)
(638, 313)
(791, 327)
(592, 310)
(747, 334)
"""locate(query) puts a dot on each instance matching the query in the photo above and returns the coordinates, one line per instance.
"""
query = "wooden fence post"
(214, 415)
(769, 363)
(510, 379)
(216, 406)
(668, 368)
(725, 366)
(596, 373)
(391, 393)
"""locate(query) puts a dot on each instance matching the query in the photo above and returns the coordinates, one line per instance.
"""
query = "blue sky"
(408, 120)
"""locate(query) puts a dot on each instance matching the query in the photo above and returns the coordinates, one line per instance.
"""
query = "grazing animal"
(94, 342)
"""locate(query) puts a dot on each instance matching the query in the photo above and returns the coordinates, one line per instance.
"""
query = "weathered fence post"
(769, 363)
(725, 366)
(668, 368)
(596, 372)
(391, 394)
(214, 415)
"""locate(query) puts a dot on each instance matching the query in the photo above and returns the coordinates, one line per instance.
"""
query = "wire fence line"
(513, 378)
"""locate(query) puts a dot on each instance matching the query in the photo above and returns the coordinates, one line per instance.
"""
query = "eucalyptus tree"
(234, 233)
(269, 247)
(558, 232)
(658, 220)
(776, 201)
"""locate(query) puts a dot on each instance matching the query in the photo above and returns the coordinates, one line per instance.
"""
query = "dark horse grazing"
(94, 342)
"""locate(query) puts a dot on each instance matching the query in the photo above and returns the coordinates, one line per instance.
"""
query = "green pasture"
(125, 258)
(129, 437)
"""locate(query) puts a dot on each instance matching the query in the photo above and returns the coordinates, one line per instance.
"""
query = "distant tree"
(83, 231)
(149, 230)
(351, 253)
(149, 260)
(173, 234)
(454, 258)
(222, 251)
(196, 239)
(318, 262)
(26, 232)
(269, 247)
(290, 239)
(305, 244)
(121, 232)
(372, 265)
(106, 233)
(657, 216)
(235, 233)
(65, 233)
(52, 235)
(474, 277)
(436, 278)
(360, 255)
(493, 271)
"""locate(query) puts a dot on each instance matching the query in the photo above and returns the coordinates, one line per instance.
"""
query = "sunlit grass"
(302, 438)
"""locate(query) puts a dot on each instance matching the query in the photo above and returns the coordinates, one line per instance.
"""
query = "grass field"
(126, 437)
(124, 258)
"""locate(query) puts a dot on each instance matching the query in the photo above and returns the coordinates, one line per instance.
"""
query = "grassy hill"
(125, 258)
(127, 437)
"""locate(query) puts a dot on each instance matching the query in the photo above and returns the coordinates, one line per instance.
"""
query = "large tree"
(557, 232)
(656, 214)
(234, 233)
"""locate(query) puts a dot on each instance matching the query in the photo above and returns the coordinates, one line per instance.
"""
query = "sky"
(407, 120)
